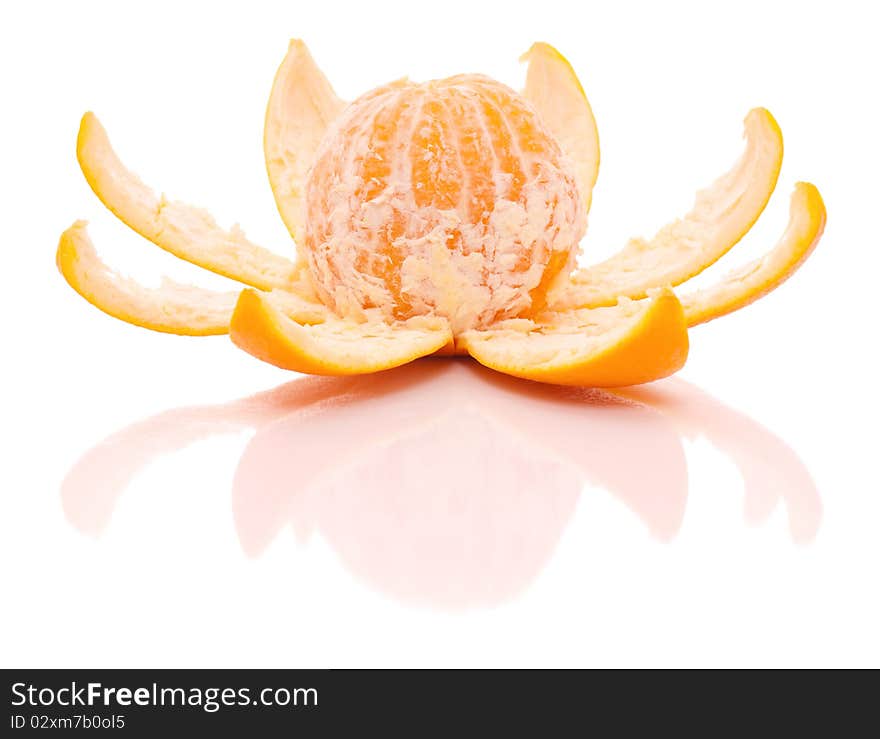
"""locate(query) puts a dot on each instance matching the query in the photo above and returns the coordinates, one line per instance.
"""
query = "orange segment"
(761, 276)
(721, 216)
(626, 344)
(302, 104)
(172, 308)
(335, 347)
(183, 230)
(554, 89)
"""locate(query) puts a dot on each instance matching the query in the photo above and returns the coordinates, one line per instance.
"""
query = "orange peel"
(302, 104)
(335, 347)
(443, 218)
(171, 308)
(556, 92)
(185, 231)
(627, 344)
(755, 279)
(722, 214)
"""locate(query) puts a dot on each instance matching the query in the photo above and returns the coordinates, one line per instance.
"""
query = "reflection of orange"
(769, 467)
(422, 530)
(446, 484)
(446, 491)
(459, 172)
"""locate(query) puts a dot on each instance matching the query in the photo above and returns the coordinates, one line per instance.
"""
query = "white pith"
(473, 283)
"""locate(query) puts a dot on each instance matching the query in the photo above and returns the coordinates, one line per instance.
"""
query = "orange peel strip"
(185, 231)
(335, 347)
(554, 89)
(301, 106)
(761, 276)
(722, 214)
(172, 308)
(626, 344)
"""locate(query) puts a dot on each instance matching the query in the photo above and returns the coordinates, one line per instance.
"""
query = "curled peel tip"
(761, 115)
(87, 122)
(297, 46)
(524, 57)
(89, 128)
(808, 194)
(539, 46)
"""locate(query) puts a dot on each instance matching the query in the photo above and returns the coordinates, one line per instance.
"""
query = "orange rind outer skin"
(586, 161)
(67, 259)
(262, 330)
(807, 224)
(314, 108)
(656, 346)
(602, 284)
(225, 252)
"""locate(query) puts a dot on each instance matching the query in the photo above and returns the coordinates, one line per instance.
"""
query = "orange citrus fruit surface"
(448, 198)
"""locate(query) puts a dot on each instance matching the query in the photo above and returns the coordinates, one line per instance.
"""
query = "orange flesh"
(464, 163)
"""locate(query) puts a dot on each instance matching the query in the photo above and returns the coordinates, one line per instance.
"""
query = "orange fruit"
(444, 218)
(448, 198)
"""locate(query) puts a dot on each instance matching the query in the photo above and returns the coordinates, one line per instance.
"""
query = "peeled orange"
(444, 217)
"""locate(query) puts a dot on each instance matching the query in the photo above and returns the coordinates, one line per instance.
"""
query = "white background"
(490, 528)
